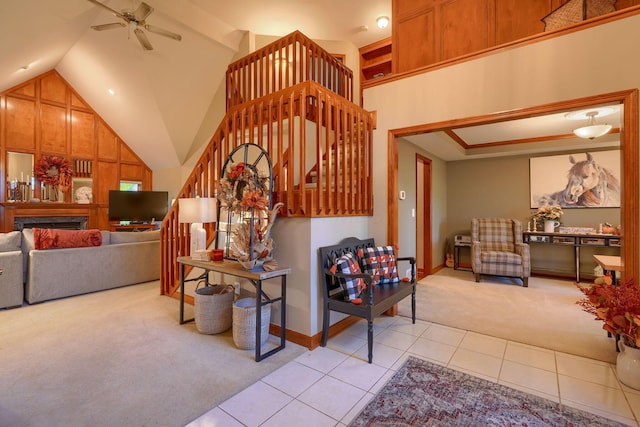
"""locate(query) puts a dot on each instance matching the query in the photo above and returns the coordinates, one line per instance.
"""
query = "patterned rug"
(424, 394)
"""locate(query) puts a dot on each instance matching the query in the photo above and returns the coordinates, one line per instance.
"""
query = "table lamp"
(196, 211)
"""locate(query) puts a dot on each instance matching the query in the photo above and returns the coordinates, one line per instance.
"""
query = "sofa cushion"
(381, 262)
(134, 237)
(11, 241)
(51, 238)
(347, 264)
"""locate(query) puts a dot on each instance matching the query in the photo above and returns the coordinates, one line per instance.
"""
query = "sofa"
(11, 264)
(122, 258)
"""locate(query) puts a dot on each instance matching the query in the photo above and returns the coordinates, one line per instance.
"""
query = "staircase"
(293, 99)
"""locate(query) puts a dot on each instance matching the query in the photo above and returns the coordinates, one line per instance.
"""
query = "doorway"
(423, 217)
(629, 151)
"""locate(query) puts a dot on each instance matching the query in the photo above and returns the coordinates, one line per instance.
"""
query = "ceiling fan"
(136, 21)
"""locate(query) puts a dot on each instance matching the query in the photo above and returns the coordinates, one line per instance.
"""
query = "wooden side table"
(234, 268)
(610, 263)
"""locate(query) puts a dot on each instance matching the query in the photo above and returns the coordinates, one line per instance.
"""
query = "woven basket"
(244, 323)
(212, 308)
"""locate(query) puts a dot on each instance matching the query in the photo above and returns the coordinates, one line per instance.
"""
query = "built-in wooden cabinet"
(44, 117)
(426, 32)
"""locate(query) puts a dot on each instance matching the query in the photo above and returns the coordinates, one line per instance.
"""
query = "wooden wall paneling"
(404, 7)
(53, 129)
(82, 135)
(623, 4)
(77, 102)
(103, 218)
(107, 142)
(147, 180)
(20, 127)
(130, 172)
(27, 89)
(464, 27)
(127, 155)
(415, 41)
(45, 116)
(105, 178)
(516, 19)
(53, 88)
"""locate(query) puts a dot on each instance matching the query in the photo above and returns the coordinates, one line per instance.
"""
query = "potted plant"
(549, 216)
(618, 306)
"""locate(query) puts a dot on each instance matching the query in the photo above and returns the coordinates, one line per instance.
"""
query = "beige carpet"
(544, 314)
(117, 358)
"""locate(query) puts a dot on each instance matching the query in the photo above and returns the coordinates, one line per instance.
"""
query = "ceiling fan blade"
(142, 38)
(142, 12)
(104, 6)
(109, 26)
(162, 32)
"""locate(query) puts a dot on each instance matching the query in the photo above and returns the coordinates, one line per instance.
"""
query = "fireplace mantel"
(11, 211)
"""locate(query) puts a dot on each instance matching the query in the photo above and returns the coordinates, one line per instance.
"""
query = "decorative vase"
(628, 365)
(550, 226)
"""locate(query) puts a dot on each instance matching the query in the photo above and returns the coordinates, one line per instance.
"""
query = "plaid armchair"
(497, 249)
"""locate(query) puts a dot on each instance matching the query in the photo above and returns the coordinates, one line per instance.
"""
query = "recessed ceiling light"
(111, 92)
(382, 22)
(24, 67)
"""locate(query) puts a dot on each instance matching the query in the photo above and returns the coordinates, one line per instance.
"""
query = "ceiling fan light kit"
(135, 21)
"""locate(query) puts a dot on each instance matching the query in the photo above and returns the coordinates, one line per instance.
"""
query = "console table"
(234, 268)
(575, 240)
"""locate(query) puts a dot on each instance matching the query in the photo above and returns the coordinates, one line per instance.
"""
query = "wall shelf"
(376, 60)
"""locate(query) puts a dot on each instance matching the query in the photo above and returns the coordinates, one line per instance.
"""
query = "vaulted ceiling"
(163, 97)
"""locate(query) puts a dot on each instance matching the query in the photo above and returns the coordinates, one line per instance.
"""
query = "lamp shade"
(197, 210)
(592, 131)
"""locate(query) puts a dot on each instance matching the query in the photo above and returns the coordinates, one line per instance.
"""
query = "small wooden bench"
(375, 299)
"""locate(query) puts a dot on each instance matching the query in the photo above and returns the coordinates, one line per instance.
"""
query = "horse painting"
(588, 185)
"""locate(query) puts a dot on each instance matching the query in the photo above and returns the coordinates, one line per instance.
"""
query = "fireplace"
(65, 222)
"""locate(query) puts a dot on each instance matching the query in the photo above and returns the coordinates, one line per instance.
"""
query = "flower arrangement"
(548, 213)
(260, 252)
(54, 171)
(242, 189)
(244, 192)
(617, 306)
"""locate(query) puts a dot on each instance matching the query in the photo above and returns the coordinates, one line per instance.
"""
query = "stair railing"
(299, 127)
(288, 61)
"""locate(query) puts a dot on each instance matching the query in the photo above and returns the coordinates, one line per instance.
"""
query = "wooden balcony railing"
(304, 128)
(284, 63)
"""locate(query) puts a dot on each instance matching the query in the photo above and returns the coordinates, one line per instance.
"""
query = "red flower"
(236, 172)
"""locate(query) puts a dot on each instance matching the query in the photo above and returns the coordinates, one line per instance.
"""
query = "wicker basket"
(244, 323)
(212, 308)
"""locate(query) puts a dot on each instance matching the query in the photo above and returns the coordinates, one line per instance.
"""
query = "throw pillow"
(381, 262)
(51, 238)
(347, 264)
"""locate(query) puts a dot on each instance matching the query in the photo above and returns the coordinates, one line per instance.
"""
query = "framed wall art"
(577, 180)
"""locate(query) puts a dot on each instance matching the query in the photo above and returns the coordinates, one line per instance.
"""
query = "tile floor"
(329, 386)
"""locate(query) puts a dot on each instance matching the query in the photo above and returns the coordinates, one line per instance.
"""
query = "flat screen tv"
(138, 206)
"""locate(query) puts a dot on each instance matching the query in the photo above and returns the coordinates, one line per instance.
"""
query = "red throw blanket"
(50, 238)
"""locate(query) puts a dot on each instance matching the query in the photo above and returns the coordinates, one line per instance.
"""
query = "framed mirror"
(19, 178)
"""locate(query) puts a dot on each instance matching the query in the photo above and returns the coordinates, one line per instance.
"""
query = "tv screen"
(138, 206)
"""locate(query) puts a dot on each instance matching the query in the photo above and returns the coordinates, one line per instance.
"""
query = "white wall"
(297, 241)
(598, 60)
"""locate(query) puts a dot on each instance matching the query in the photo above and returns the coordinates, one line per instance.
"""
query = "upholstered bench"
(362, 280)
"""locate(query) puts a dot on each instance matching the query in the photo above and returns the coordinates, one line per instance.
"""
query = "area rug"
(425, 394)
